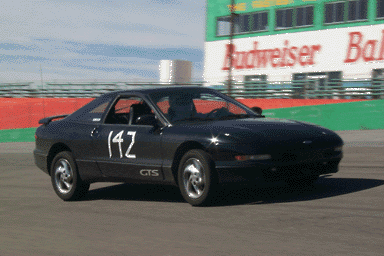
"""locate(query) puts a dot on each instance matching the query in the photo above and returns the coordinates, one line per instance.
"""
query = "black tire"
(302, 181)
(65, 178)
(197, 178)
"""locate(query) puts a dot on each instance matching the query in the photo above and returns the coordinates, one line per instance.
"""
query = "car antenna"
(42, 89)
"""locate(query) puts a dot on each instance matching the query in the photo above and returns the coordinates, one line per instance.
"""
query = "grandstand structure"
(330, 43)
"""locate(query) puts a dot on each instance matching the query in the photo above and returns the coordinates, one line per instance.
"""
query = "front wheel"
(196, 178)
(65, 178)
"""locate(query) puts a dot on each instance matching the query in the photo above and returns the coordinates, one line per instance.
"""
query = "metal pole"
(42, 89)
(231, 47)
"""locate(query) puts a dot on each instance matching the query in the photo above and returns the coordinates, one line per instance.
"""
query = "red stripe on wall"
(26, 112)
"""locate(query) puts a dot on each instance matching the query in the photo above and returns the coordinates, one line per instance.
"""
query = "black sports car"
(193, 137)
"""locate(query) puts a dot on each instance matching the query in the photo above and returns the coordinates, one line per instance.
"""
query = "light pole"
(232, 28)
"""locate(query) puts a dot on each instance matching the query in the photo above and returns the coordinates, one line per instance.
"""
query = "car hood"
(266, 132)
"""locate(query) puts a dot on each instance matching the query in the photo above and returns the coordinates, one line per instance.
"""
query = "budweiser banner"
(354, 51)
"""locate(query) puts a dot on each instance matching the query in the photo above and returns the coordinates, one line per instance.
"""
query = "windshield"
(198, 105)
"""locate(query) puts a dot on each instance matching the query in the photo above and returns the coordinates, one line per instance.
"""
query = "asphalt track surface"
(341, 214)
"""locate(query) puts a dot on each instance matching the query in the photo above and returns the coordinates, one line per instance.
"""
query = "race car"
(192, 137)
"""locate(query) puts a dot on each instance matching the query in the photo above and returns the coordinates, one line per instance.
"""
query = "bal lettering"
(358, 49)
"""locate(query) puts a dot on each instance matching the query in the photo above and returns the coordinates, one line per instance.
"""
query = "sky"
(98, 40)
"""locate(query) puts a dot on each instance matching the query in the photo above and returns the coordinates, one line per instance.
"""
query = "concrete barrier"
(17, 135)
(364, 115)
(26, 112)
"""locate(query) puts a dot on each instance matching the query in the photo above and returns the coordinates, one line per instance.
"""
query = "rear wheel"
(65, 178)
(196, 177)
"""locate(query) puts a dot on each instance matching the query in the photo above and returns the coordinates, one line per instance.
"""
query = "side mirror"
(147, 120)
(257, 110)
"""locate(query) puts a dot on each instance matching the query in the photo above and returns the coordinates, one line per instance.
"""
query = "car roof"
(150, 89)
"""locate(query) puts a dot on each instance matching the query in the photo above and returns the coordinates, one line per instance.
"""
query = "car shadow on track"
(136, 192)
(325, 187)
(228, 195)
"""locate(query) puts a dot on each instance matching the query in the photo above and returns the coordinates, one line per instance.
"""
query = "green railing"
(303, 89)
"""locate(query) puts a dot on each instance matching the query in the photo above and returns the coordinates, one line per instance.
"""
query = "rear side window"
(92, 112)
(99, 109)
(96, 113)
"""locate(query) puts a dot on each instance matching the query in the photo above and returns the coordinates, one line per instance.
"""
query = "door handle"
(94, 132)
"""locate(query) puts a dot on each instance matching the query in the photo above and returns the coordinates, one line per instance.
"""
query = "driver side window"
(127, 111)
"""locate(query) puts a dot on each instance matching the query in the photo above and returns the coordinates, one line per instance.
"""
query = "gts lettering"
(119, 140)
(146, 172)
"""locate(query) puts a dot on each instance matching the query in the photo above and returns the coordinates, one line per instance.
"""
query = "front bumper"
(276, 169)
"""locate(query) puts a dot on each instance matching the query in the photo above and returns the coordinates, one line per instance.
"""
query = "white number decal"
(133, 134)
(119, 139)
(109, 144)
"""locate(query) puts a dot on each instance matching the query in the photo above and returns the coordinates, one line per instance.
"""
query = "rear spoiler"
(47, 120)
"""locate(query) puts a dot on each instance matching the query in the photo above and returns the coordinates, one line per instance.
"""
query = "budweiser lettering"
(357, 49)
(287, 56)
